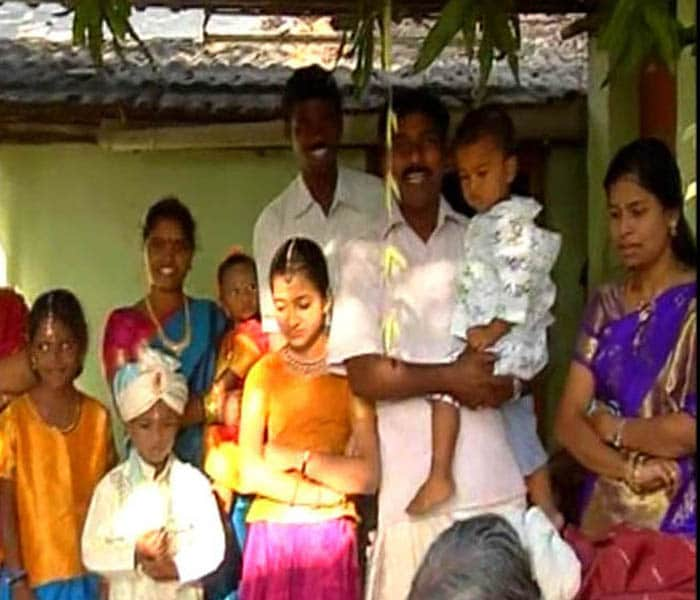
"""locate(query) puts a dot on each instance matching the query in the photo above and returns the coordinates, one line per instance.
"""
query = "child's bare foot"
(434, 491)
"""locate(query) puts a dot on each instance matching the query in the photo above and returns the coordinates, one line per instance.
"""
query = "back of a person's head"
(488, 121)
(480, 558)
(310, 83)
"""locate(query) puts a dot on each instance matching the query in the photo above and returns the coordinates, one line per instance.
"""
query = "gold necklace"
(316, 366)
(76, 417)
(175, 347)
(642, 301)
(73, 422)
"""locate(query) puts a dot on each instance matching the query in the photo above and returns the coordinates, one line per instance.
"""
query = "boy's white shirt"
(179, 499)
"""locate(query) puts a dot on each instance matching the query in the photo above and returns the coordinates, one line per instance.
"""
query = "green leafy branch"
(632, 31)
(490, 30)
(369, 17)
(91, 16)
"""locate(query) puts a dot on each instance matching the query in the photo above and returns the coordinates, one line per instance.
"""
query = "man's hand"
(473, 384)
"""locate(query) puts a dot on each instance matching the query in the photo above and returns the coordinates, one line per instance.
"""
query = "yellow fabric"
(222, 464)
(238, 353)
(54, 475)
(306, 413)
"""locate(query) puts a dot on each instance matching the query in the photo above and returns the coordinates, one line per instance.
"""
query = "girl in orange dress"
(306, 444)
(55, 445)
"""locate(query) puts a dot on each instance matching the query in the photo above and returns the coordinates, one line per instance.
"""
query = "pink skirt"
(285, 561)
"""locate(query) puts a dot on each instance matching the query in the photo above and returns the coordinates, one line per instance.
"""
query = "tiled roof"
(234, 80)
(347, 8)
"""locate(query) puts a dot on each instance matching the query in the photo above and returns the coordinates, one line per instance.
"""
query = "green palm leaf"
(448, 24)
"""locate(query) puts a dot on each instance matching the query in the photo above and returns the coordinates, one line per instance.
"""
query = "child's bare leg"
(539, 488)
(439, 485)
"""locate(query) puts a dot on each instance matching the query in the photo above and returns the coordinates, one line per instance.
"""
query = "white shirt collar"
(445, 213)
(148, 472)
(302, 200)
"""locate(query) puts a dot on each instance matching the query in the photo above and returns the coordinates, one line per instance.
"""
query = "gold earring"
(673, 228)
(32, 362)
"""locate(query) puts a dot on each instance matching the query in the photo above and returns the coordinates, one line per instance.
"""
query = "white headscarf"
(139, 385)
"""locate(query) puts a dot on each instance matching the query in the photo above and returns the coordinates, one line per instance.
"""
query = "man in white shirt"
(419, 300)
(325, 203)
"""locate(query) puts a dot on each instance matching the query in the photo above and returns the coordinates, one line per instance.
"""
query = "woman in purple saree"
(629, 406)
(644, 365)
(628, 411)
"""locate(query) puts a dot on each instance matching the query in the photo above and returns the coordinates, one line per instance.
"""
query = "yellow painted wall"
(566, 213)
(70, 217)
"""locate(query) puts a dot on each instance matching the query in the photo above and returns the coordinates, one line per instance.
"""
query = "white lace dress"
(506, 275)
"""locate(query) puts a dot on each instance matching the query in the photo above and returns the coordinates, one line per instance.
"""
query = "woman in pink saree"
(167, 319)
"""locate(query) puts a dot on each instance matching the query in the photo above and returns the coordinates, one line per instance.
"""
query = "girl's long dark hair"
(301, 255)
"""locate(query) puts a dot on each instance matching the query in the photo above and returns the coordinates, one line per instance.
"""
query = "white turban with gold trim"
(139, 385)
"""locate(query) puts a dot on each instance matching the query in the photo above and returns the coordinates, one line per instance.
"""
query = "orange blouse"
(54, 475)
(306, 413)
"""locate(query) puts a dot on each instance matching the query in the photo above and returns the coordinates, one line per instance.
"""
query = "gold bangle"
(212, 406)
(617, 435)
(628, 477)
(634, 462)
(639, 460)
